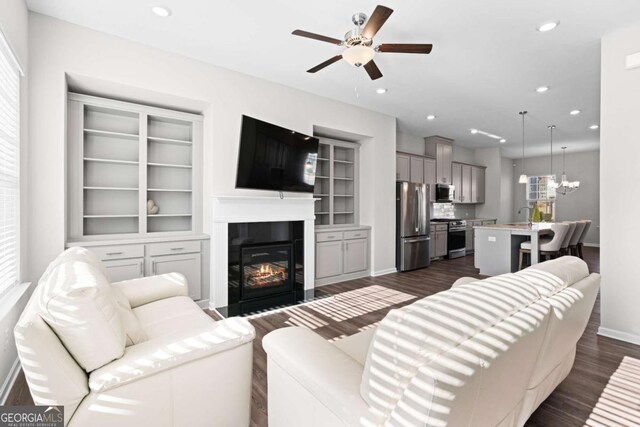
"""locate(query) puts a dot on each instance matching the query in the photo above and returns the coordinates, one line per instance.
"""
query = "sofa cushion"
(409, 337)
(77, 302)
(552, 276)
(171, 315)
(132, 328)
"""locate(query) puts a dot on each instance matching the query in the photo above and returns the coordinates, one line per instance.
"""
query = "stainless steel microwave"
(445, 193)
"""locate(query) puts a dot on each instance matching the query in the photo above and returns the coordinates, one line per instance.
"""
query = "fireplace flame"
(266, 269)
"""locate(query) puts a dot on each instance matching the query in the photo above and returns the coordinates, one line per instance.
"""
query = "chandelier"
(565, 186)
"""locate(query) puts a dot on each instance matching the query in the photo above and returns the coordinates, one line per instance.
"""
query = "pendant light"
(551, 183)
(566, 187)
(523, 177)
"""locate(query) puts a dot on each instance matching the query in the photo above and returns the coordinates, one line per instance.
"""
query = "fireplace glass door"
(265, 270)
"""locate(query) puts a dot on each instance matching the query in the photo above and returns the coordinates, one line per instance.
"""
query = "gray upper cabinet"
(477, 184)
(430, 176)
(469, 183)
(403, 165)
(442, 149)
(417, 169)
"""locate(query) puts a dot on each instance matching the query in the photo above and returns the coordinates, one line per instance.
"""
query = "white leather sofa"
(133, 353)
(484, 353)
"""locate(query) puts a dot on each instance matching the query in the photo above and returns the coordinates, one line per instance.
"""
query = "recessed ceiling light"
(502, 141)
(548, 26)
(575, 112)
(594, 127)
(474, 131)
(161, 11)
(542, 89)
(381, 90)
(431, 117)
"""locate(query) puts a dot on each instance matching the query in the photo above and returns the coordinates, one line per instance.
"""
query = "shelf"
(343, 213)
(320, 195)
(169, 165)
(111, 188)
(342, 179)
(166, 215)
(343, 195)
(119, 162)
(323, 159)
(322, 213)
(111, 216)
(347, 162)
(173, 190)
(322, 176)
(109, 133)
(169, 140)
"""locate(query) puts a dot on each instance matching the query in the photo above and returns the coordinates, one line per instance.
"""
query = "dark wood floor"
(569, 405)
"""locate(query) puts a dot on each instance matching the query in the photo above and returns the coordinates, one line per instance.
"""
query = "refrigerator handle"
(419, 207)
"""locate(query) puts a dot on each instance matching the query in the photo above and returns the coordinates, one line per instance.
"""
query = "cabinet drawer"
(118, 251)
(357, 234)
(441, 227)
(173, 248)
(432, 228)
(490, 222)
(329, 236)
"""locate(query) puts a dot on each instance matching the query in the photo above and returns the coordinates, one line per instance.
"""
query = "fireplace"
(265, 265)
(265, 270)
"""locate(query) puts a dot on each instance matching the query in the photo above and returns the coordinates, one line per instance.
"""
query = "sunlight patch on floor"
(619, 403)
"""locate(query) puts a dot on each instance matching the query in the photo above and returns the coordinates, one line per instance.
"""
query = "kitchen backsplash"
(451, 210)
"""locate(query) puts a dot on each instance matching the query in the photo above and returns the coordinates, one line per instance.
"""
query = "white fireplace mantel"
(234, 209)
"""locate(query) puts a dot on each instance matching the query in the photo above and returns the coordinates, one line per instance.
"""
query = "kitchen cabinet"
(341, 254)
(403, 167)
(432, 242)
(441, 244)
(416, 169)
(469, 183)
(438, 240)
(186, 264)
(477, 184)
(430, 176)
(125, 269)
(442, 149)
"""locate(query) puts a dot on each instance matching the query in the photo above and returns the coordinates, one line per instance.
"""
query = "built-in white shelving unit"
(336, 183)
(123, 154)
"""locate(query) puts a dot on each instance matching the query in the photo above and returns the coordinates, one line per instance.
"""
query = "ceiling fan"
(359, 41)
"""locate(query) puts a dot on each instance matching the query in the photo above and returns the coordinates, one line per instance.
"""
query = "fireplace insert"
(266, 270)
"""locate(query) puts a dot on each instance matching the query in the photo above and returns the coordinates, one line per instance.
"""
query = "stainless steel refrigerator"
(412, 228)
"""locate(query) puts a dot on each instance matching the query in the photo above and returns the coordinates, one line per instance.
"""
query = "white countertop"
(517, 226)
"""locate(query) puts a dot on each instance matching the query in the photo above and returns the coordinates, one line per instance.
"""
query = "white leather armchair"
(167, 362)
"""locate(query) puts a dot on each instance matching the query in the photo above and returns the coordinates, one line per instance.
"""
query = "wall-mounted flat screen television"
(274, 158)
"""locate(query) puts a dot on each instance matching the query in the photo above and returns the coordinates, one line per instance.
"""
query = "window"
(9, 168)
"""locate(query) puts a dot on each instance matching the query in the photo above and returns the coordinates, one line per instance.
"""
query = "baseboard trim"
(619, 335)
(592, 245)
(9, 381)
(383, 272)
(203, 303)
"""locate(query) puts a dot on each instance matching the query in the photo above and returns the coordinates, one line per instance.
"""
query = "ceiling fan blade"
(405, 48)
(325, 64)
(377, 20)
(372, 70)
(314, 36)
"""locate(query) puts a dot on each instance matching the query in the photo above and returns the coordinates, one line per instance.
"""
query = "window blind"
(9, 168)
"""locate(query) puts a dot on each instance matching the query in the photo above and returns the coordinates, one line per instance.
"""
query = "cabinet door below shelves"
(355, 255)
(124, 269)
(185, 264)
(328, 259)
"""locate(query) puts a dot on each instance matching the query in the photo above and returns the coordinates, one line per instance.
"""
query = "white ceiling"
(487, 59)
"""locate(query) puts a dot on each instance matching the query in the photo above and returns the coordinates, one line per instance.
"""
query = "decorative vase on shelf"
(152, 208)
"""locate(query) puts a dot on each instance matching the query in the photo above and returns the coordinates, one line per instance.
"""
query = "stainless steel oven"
(457, 239)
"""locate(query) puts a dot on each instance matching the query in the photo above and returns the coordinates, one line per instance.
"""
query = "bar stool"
(573, 243)
(580, 244)
(564, 248)
(549, 246)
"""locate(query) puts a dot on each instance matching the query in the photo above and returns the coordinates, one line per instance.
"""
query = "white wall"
(57, 47)
(583, 204)
(14, 26)
(409, 143)
(619, 172)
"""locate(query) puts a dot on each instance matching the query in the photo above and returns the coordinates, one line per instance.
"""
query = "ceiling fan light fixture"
(358, 55)
(548, 26)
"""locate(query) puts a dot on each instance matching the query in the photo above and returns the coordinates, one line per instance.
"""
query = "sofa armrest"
(464, 281)
(149, 289)
(157, 355)
(325, 371)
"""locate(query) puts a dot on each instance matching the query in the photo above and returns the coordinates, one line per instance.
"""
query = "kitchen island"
(497, 246)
